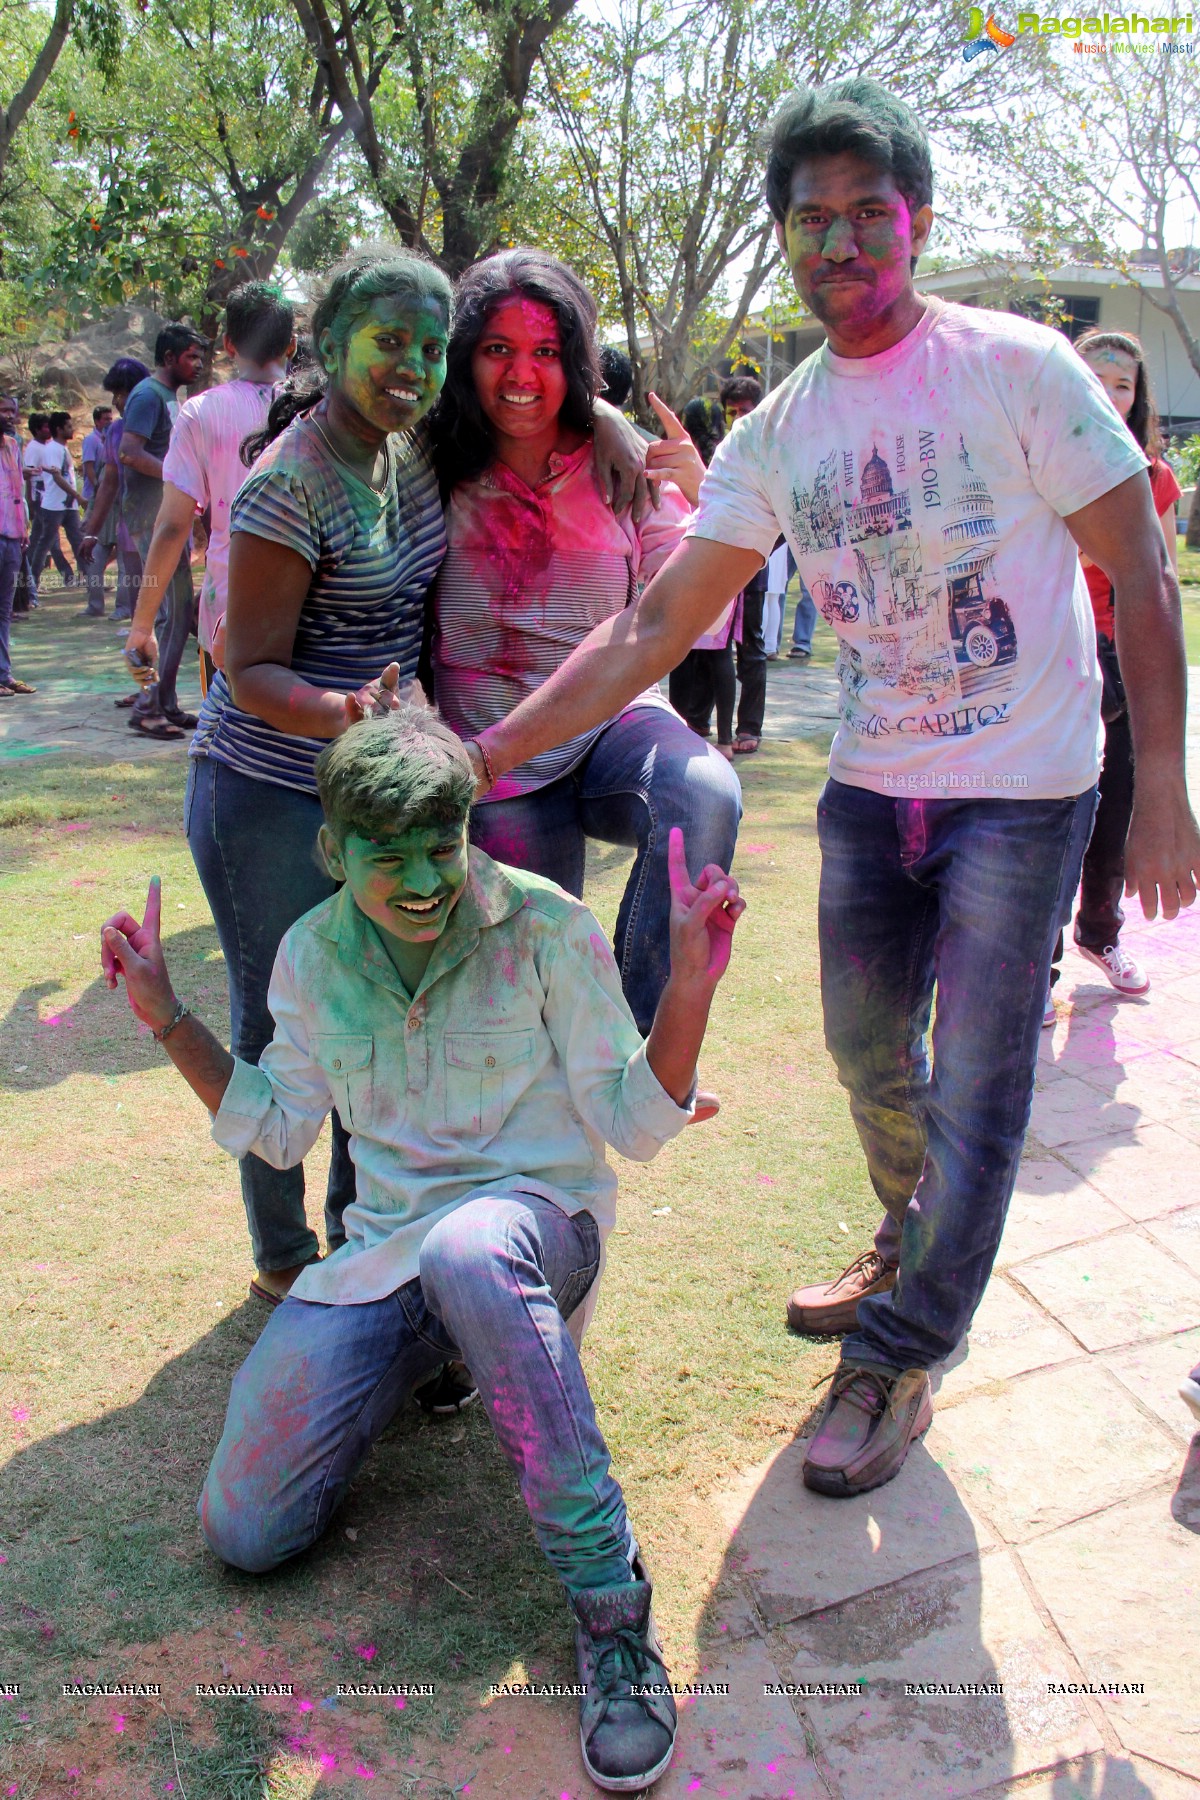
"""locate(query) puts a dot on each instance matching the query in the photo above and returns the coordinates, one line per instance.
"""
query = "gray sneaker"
(871, 1417)
(627, 1718)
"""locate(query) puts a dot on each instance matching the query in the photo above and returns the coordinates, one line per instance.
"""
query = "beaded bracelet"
(181, 1012)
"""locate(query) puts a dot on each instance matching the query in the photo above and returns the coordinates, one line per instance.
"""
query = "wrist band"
(181, 1012)
(486, 760)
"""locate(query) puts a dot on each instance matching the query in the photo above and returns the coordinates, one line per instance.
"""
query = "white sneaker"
(1049, 1016)
(1126, 975)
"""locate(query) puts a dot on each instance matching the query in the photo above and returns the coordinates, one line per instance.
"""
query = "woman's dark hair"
(124, 375)
(704, 422)
(736, 388)
(462, 435)
(854, 114)
(1143, 416)
(349, 288)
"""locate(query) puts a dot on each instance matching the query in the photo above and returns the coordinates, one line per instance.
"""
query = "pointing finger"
(671, 423)
(390, 677)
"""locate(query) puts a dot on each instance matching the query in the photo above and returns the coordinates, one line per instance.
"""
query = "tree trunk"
(12, 116)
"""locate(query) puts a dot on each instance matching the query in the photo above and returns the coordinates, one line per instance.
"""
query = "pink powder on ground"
(20, 1414)
(118, 1723)
(368, 1652)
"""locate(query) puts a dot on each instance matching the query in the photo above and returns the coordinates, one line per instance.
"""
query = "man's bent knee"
(240, 1534)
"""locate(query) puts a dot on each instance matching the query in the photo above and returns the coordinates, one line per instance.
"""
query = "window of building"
(1071, 313)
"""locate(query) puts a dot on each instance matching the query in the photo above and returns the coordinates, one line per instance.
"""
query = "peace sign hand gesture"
(135, 952)
(675, 457)
(703, 916)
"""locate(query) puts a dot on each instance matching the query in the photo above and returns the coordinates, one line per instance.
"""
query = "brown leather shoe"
(871, 1417)
(832, 1306)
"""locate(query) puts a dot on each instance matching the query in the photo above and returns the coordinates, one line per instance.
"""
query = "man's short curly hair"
(386, 775)
(854, 114)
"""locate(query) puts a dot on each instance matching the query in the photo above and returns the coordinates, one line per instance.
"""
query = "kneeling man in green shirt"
(467, 1021)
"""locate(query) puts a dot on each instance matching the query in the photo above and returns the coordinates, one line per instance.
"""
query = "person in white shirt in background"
(42, 459)
(203, 468)
(14, 538)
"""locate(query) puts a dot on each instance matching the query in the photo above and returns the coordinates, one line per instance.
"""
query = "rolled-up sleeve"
(275, 1108)
(612, 1084)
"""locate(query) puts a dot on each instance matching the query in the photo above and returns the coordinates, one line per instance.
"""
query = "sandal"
(19, 687)
(185, 720)
(258, 1291)
(129, 699)
(7, 693)
(161, 729)
(744, 745)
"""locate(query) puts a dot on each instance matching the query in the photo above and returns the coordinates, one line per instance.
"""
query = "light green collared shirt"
(510, 1068)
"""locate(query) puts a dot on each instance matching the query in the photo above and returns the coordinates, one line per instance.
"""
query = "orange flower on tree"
(238, 252)
(264, 212)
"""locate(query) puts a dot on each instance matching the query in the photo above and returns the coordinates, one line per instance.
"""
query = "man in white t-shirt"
(935, 470)
(203, 467)
(47, 470)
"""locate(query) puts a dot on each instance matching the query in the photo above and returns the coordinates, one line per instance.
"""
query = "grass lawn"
(124, 1262)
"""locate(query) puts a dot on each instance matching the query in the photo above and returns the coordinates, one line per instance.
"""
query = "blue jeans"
(173, 627)
(255, 849)
(967, 893)
(645, 772)
(499, 1277)
(806, 621)
(12, 555)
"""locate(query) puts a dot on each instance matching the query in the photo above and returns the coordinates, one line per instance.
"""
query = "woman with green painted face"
(334, 538)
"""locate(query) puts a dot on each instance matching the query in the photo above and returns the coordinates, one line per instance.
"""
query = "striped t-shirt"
(373, 555)
(528, 573)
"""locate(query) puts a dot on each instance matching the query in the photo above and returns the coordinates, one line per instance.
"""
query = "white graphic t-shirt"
(923, 492)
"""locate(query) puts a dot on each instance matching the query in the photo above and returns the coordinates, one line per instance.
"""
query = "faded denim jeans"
(645, 772)
(254, 845)
(499, 1277)
(967, 894)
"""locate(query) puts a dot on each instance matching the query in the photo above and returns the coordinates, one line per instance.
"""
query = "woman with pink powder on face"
(534, 560)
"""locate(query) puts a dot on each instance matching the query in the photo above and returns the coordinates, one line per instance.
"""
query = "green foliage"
(1185, 459)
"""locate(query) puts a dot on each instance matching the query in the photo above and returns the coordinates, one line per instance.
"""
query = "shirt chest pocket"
(485, 1073)
(348, 1061)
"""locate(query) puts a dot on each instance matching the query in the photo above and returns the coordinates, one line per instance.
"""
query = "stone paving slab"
(1107, 1778)
(1179, 1232)
(1114, 1290)
(1051, 1447)
(1151, 1172)
(747, 1745)
(1071, 1111)
(1009, 1336)
(1153, 1372)
(801, 1551)
(1050, 1208)
(1124, 1590)
(966, 1622)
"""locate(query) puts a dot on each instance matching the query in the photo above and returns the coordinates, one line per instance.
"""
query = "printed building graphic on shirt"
(903, 551)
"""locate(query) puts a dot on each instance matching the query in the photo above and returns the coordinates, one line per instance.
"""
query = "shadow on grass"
(429, 1573)
(96, 1034)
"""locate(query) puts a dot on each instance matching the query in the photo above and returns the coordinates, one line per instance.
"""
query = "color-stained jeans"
(255, 849)
(967, 893)
(498, 1278)
(644, 773)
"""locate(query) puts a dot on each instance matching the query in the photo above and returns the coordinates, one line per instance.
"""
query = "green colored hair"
(386, 775)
